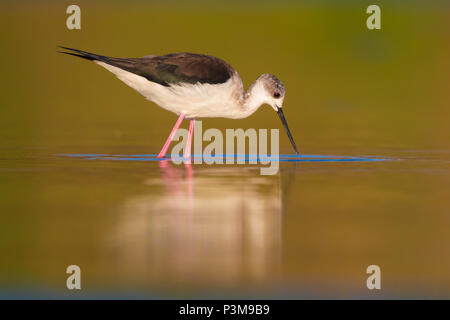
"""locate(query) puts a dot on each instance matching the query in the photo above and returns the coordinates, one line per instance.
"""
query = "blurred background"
(140, 229)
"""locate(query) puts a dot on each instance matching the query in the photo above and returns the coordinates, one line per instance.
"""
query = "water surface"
(152, 228)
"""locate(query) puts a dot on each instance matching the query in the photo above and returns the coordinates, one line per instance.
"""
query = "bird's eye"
(276, 94)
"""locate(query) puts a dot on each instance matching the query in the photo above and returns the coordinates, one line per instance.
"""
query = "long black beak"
(283, 119)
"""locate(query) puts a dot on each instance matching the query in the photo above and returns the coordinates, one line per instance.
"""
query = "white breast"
(194, 101)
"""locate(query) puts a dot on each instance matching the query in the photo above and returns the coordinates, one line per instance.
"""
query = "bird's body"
(193, 85)
(200, 100)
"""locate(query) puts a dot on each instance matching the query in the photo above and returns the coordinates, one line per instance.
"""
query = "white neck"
(253, 98)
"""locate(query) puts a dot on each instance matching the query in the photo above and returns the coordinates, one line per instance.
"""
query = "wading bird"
(193, 86)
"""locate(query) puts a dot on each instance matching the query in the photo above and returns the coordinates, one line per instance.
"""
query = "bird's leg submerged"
(171, 135)
(187, 151)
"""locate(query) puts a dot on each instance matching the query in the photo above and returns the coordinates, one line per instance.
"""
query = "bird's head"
(273, 90)
(273, 94)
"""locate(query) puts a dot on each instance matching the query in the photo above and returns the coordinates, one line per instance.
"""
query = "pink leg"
(187, 151)
(169, 139)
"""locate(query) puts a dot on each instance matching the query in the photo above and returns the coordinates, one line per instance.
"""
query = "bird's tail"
(84, 54)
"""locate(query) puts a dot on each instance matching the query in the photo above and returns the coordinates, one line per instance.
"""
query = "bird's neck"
(254, 97)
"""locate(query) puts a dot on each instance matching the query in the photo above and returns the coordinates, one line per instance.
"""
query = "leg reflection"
(214, 227)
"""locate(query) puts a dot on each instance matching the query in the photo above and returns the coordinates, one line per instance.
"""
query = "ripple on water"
(246, 157)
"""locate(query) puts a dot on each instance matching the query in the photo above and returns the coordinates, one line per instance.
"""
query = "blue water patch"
(224, 157)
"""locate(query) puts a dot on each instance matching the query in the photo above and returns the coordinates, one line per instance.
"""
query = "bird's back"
(173, 68)
(195, 85)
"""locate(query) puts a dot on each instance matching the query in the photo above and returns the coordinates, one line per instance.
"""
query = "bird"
(193, 86)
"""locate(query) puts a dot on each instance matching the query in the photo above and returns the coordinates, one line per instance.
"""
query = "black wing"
(169, 69)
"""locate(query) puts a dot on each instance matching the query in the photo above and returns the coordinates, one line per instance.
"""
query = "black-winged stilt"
(193, 86)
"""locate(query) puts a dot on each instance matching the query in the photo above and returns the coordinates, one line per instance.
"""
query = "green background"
(349, 91)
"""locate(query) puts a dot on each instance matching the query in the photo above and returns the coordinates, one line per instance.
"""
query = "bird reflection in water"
(221, 226)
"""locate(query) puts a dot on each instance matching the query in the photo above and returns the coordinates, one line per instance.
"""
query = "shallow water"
(155, 229)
